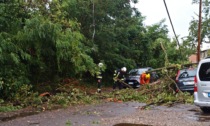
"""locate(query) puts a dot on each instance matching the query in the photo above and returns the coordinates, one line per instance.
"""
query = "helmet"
(147, 76)
(124, 69)
(100, 64)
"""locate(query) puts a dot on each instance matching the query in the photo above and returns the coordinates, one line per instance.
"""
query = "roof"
(193, 58)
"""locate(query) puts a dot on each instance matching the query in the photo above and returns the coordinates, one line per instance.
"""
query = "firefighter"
(99, 77)
(119, 75)
(145, 78)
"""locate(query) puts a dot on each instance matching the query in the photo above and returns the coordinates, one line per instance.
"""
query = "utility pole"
(199, 32)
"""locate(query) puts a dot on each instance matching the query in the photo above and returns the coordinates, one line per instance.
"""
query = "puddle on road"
(200, 117)
(130, 124)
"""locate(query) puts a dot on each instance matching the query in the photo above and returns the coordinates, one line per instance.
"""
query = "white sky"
(181, 13)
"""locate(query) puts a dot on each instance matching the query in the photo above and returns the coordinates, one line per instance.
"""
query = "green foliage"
(11, 81)
(71, 96)
(13, 72)
(163, 92)
(154, 94)
(68, 123)
(9, 108)
(68, 38)
(131, 96)
(193, 29)
(61, 99)
(26, 97)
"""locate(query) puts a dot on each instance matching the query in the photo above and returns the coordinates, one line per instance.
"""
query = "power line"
(171, 23)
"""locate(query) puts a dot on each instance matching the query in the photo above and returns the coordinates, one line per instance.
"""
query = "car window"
(140, 71)
(133, 72)
(187, 73)
(204, 72)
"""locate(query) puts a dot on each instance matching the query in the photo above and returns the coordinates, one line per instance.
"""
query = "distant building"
(205, 48)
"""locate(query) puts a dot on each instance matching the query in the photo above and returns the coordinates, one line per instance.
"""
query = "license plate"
(130, 82)
(208, 94)
(188, 83)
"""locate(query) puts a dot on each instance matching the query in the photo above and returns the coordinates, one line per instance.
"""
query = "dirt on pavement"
(114, 114)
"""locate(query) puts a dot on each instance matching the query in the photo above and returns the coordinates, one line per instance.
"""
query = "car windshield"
(187, 73)
(138, 71)
(133, 72)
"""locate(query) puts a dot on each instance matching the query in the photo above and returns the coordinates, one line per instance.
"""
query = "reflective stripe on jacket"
(118, 74)
(99, 75)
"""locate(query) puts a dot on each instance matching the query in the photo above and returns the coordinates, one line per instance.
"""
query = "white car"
(202, 85)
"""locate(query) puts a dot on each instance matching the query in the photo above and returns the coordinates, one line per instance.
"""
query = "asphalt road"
(116, 114)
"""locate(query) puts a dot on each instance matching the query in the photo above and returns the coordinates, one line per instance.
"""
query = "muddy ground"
(112, 114)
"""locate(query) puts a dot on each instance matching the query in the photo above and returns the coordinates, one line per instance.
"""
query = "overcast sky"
(181, 13)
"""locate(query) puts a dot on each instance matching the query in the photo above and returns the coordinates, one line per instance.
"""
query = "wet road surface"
(116, 114)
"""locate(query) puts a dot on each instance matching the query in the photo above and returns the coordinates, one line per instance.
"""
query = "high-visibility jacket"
(142, 78)
(145, 78)
(118, 74)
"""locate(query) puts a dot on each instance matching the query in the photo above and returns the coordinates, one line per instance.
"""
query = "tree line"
(48, 40)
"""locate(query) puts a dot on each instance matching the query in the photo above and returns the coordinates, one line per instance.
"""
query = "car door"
(204, 82)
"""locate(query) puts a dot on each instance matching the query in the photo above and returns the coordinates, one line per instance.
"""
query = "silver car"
(133, 77)
(202, 85)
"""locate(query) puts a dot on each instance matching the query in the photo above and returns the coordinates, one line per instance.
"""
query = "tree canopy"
(47, 40)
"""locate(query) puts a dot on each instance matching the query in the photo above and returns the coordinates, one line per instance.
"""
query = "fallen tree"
(165, 91)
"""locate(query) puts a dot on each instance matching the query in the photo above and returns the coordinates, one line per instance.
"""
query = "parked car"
(133, 77)
(202, 85)
(185, 79)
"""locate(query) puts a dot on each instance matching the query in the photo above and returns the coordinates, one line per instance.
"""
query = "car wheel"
(205, 109)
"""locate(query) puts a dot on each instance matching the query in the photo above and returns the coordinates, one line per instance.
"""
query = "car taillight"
(177, 75)
(196, 84)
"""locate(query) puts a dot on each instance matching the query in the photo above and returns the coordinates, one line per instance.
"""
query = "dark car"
(133, 77)
(185, 79)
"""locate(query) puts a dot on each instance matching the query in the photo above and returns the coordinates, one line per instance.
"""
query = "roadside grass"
(9, 108)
